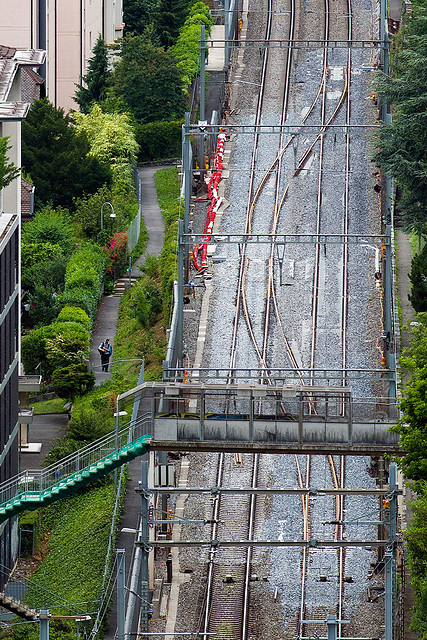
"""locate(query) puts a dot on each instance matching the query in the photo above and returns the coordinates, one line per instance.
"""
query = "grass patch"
(416, 244)
(56, 405)
(168, 187)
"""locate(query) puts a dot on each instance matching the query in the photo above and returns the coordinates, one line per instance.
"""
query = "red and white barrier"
(200, 251)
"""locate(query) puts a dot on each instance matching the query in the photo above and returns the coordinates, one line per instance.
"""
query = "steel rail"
(239, 301)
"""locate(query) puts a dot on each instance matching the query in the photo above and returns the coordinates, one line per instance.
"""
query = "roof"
(10, 61)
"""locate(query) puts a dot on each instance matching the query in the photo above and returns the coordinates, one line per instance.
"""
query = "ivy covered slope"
(73, 542)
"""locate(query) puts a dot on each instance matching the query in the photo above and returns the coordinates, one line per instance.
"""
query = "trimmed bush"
(74, 314)
(72, 380)
(80, 298)
(159, 140)
(33, 350)
(84, 278)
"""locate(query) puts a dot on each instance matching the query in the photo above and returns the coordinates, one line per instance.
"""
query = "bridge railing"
(36, 481)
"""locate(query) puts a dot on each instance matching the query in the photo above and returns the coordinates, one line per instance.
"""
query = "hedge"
(159, 140)
(74, 314)
(57, 344)
(187, 49)
(80, 297)
(83, 279)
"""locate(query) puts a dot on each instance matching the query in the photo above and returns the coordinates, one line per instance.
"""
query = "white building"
(67, 30)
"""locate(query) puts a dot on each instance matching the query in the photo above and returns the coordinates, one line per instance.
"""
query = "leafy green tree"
(112, 141)
(49, 226)
(34, 253)
(8, 171)
(73, 380)
(149, 81)
(56, 156)
(88, 213)
(402, 145)
(96, 78)
(415, 355)
(418, 278)
(68, 346)
(413, 427)
(416, 544)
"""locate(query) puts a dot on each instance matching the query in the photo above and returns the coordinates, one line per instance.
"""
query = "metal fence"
(135, 226)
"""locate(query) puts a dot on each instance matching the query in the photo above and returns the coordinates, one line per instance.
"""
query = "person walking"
(105, 349)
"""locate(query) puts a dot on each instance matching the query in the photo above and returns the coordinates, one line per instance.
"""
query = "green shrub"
(50, 225)
(88, 255)
(151, 267)
(72, 380)
(33, 350)
(69, 344)
(80, 298)
(34, 253)
(89, 424)
(83, 279)
(159, 140)
(74, 314)
(146, 301)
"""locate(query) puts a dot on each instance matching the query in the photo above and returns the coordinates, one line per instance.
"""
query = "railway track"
(229, 588)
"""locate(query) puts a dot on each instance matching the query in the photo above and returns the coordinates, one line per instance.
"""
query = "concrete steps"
(123, 284)
(17, 607)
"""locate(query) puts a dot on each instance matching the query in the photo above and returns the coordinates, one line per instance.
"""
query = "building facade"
(9, 371)
(13, 63)
(67, 30)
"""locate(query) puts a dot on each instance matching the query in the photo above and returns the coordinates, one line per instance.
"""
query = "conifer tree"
(169, 18)
(8, 171)
(96, 78)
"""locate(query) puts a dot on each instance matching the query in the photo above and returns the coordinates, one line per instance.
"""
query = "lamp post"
(116, 435)
(112, 214)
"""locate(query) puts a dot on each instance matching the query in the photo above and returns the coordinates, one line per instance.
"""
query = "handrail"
(107, 449)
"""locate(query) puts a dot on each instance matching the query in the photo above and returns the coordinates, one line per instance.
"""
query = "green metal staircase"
(32, 489)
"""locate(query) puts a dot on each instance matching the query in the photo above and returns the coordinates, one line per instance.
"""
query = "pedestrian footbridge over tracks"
(247, 418)
(271, 419)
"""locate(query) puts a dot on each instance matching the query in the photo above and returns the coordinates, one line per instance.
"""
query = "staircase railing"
(35, 481)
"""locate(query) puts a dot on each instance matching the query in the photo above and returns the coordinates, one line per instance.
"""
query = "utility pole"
(385, 115)
(186, 149)
(145, 593)
(332, 624)
(227, 33)
(202, 72)
(390, 555)
(120, 557)
(202, 121)
(44, 624)
(180, 294)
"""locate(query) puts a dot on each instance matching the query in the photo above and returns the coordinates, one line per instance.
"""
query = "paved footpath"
(404, 255)
(106, 328)
(106, 320)
(45, 428)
